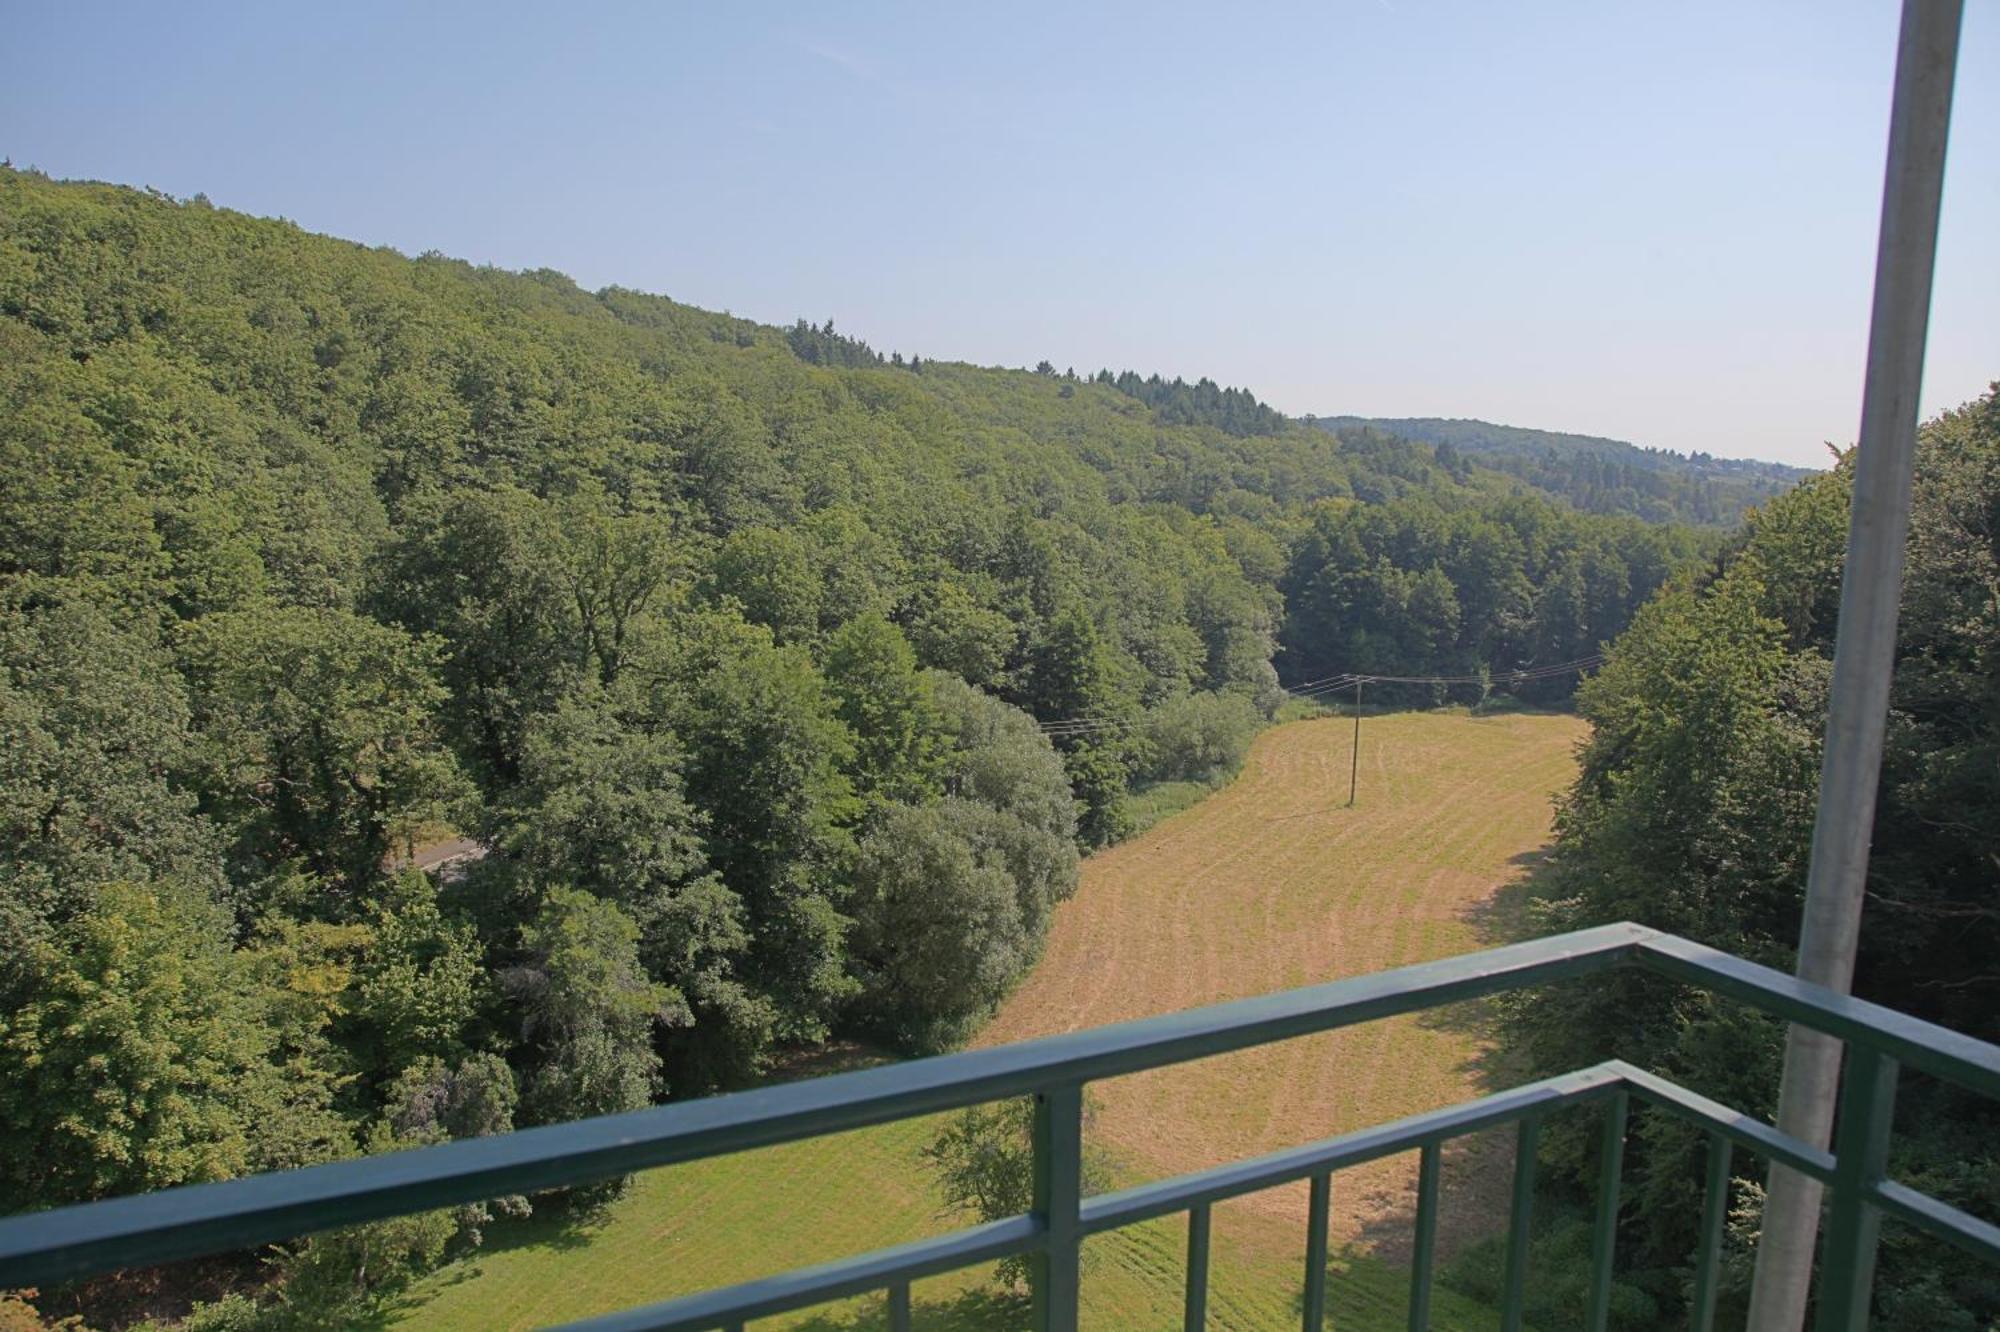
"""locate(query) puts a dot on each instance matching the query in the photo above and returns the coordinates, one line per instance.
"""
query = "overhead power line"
(1098, 723)
(1510, 677)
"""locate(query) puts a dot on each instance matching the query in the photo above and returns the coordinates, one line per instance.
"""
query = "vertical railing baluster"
(1861, 1158)
(1604, 1237)
(1423, 1250)
(1058, 1196)
(1708, 1253)
(1520, 1222)
(1195, 1316)
(1317, 1205)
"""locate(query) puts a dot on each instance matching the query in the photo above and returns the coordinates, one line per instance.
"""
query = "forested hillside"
(1694, 813)
(1595, 474)
(737, 645)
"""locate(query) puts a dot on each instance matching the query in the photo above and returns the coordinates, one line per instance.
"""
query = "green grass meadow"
(712, 1223)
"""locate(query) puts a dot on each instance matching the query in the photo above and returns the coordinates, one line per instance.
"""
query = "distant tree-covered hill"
(1595, 474)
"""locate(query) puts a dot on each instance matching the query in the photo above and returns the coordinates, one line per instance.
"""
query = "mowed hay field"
(1268, 884)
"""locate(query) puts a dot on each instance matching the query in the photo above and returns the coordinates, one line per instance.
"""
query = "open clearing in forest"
(1268, 884)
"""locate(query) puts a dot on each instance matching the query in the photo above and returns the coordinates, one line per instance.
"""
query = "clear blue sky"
(1649, 221)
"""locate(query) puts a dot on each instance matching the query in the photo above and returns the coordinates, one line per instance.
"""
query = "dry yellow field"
(1270, 883)
(1274, 883)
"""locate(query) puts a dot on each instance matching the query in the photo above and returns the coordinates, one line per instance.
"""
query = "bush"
(1558, 1295)
(18, 1314)
(339, 1279)
(1001, 758)
(938, 935)
(984, 1157)
(1199, 738)
(231, 1313)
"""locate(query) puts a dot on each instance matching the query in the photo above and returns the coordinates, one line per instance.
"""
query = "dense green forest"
(1413, 586)
(1595, 474)
(1694, 813)
(737, 645)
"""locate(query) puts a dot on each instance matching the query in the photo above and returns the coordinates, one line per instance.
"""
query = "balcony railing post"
(1708, 1249)
(1194, 1316)
(1423, 1248)
(1319, 1199)
(1861, 1159)
(1053, 1270)
(1604, 1237)
(1521, 1222)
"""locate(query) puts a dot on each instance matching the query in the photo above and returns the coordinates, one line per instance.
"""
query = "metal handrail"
(65, 1243)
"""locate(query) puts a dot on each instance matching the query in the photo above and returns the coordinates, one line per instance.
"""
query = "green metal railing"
(44, 1248)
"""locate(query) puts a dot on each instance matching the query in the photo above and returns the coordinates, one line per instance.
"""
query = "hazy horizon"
(1632, 225)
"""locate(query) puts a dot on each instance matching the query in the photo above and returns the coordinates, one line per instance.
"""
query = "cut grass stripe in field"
(1269, 883)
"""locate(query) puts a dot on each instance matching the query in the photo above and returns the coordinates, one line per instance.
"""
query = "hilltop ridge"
(1596, 474)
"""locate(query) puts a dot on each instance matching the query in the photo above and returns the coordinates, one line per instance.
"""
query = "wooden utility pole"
(1354, 767)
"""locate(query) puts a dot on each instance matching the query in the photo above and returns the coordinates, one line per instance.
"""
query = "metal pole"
(1058, 1193)
(1354, 766)
(1865, 649)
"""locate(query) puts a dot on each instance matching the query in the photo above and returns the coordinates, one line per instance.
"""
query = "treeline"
(820, 345)
(1596, 475)
(1234, 411)
(1694, 813)
(737, 649)
(1597, 484)
(1431, 585)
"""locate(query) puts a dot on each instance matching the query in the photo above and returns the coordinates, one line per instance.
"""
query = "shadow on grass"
(1506, 705)
(1475, 1171)
(842, 1055)
(1505, 917)
(551, 1226)
(982, 1309)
